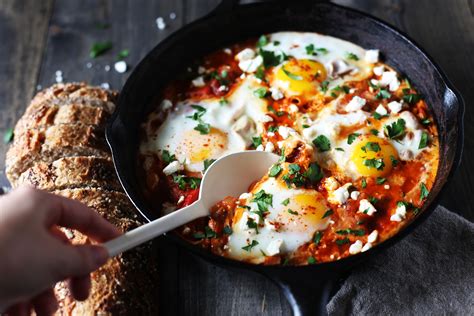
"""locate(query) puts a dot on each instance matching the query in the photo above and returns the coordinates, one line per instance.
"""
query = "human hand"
(35, 254)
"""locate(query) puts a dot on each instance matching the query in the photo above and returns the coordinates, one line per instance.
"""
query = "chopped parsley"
(426, 121)
(341, 242)
(371, 146)
(8, 136)
(208, 163)
(294, 168)
(317, 237)
(374, 163)
(380, 180)
(263, 200)
(383, 94)
(285, 202)
(276, 43)
(329, 212)
(275, 170)
(349, 231)
(291, 75)
(310, 50)
(262, 41)
(250, 246)
(304, 126)
(352, 56)
(395, 130)
(252, 224)
(99, 48)
(256, 141)
(260, 92)
(314, 173)
(423, 140)
(322, 143)
(423, 191)
(352, 137)
(338, 88)
(373, 200)
(260, 73)
(273, 129)
(339, 149)
(374, 132)
(363, 183)
(410, 98)
(203, 128)
(311, 260)
(324, 86)
(208, 233)
(270, 59)
(223, 101)
(183, 182)
(123, 54)
(394, 160)
(322, 50)
(292, 212)
(227, 230)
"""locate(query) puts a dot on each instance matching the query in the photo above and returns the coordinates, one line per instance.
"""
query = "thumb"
(81, 260)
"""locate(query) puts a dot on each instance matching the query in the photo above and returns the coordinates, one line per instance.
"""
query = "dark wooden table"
(38, 38)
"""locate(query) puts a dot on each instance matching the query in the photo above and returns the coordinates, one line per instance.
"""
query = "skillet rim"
(428, 208)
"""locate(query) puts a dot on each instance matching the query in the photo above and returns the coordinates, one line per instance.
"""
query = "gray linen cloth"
(430, 272)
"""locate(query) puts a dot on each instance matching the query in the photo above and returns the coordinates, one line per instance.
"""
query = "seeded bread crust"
(54, 142)
(72, 172)
(127, 284)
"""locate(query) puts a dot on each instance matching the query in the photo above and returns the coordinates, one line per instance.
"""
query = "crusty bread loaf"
(49, 144)
(60, 146)
(127, 284)
(72, 172)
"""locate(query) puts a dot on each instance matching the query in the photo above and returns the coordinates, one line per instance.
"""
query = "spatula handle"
(153, 229)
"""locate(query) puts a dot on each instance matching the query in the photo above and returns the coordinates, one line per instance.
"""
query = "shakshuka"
(358, 147)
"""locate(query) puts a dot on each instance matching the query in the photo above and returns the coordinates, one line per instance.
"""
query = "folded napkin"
(430, 272)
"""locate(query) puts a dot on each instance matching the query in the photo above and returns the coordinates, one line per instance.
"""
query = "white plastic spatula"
(230, 175)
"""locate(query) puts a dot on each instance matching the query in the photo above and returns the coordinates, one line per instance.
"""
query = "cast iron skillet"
(307, 287)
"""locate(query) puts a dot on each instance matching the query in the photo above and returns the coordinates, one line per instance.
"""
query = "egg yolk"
(373, 156)
(311, 204)
(198, 147)
(302, 76)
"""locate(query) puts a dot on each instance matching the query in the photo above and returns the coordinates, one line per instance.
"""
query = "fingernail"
(99, 255)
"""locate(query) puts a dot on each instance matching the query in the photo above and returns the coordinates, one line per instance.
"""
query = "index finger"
(75, 215)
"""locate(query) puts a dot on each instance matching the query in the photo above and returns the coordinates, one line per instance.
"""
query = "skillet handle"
(307, 295)
(229, 5)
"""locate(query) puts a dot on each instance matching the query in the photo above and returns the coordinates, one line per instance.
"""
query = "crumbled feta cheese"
(285, 131)
(270, 134)
(355, 195)
(243, 76)
(280, 144)
(223, 88)
(181, 199)
(245, 54)
(352, 90)
(293, 108)
(386, 187)
(366, 207)
(395, 106)
(396, 218)
(198, 82)
(245, 196)
(381, 110)
(201, 70)
(251, 65)
(228, 51)
(266, 118)
(260, 148)
(269, 147)
(389, 78)
(331, 184)
(276, 93)
(411, 121)
(165, 104)
(273, 247)
(375, 82)
(355, 104)
(340, 195)
(366, 247)
(160, 23)
(378, 71)
(372, 56)
(356, 247)
(173, 167)
(105, 85)
(373, 236)
(120, 66)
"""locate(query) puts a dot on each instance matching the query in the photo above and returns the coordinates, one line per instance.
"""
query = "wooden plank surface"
(41, 38)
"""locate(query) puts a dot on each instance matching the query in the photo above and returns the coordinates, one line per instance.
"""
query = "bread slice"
(67, 104)
(127, 284)
(72, 172)
(54, 142)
